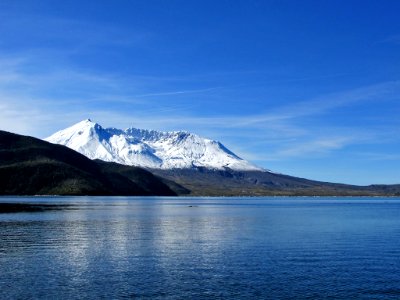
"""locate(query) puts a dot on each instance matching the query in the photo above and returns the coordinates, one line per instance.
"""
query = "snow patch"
(149, 148)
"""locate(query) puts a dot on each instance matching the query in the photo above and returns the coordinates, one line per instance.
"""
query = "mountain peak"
(149, 148)
(87, 123)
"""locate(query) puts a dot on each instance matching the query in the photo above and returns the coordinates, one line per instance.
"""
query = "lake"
(200, 248)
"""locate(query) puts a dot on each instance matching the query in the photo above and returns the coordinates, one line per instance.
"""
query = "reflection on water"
(201, 248)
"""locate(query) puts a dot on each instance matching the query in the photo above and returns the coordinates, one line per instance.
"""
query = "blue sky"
(305, 88)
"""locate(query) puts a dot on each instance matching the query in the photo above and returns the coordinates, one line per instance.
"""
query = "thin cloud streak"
(312, 107)
(178, 92)
(27, 107)
(380, 156)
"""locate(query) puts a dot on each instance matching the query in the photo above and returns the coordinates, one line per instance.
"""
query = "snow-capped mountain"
(148, 148)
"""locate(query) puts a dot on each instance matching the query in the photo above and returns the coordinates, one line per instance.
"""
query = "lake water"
(201, 248)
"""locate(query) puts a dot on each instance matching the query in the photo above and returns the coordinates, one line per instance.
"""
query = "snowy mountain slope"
(148, 148)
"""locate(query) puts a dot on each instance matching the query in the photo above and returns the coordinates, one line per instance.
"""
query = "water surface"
(202, 248)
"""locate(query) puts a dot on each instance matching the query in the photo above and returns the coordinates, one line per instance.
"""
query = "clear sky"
(305, 88)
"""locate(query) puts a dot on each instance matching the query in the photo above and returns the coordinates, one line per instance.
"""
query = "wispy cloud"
(178, 92)
(39, 101)
(380, 156)
(318, 146)
(42, 28)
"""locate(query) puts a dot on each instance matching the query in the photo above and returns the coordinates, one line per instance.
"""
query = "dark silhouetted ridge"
(29, 166)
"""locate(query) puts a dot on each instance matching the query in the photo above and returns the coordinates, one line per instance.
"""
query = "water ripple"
(162, 248)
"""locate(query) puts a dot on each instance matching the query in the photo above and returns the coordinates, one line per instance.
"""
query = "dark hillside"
(206, 182)
(29, 166)
(144, 178)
